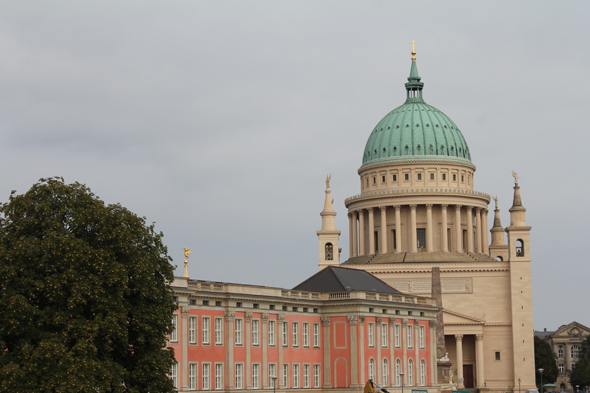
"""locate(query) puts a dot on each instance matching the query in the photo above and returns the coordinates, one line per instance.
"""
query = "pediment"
(451, 317)
(573, 329)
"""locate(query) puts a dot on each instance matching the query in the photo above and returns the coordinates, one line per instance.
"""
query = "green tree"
(84, 294)
(580, 374)
(545, 358)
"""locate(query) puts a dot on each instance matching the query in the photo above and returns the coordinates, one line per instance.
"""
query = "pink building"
(332, 332)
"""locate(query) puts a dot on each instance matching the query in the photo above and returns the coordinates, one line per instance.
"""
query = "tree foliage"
(545, 358)
(580, 374)
(84, 293)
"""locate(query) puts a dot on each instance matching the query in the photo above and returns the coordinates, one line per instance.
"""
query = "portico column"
(429, 240)
(279, 344)
(469, 229)
(248, 348)
(398, 229)
(479, 360)
(484, 233)
(350, 234)
(405, 350)
(445, 240)
(327, 365)
(478, 247)
(383, 248)
(354, 374)
(371, 231)
(459, 342)
(458, 231)
(355, 238)
(264, 343)
(433, 373)
(362, 232)
(413, 234)
(184, 364)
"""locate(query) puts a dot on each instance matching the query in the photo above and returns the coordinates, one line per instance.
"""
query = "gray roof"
(341, 279)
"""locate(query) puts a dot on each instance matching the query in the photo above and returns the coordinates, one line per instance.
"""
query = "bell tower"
(328, 236)
(521, 293)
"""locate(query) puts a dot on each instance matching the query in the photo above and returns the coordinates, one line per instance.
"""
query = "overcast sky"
(220, 120)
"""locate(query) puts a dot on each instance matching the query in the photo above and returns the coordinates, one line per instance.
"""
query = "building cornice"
(418, 191)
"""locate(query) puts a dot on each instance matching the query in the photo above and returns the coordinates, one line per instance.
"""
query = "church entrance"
(468, 376)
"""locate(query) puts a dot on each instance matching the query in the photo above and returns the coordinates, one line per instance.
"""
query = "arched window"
(499, 258)
(329, 252)
(422, 372)
(410, 372)
(385, 373)
(372, 369)
(398, 371)
(519, 248)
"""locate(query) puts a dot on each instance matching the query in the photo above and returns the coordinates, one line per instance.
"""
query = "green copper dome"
(416, 131)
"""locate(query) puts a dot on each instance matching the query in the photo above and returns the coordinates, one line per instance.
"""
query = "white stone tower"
(328, 236)
(521, 293)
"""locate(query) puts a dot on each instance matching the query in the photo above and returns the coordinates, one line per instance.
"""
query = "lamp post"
(274, 383)
(541, 372)
(518, 385)
(402, 378)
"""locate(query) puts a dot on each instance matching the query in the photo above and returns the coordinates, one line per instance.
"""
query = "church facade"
(418, 208)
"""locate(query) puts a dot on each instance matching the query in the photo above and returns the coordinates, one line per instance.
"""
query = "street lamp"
(518, 385)
(402, 378)
(541, 372)
(274, 383)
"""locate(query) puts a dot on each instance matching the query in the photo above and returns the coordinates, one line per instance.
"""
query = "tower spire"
(517, 216)
(414, 86)
(328, 236)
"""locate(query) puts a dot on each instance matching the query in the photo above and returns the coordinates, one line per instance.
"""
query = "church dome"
(416, 131)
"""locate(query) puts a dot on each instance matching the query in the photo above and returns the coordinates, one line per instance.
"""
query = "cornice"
(418, 191)
(426, 267)
(389, 161)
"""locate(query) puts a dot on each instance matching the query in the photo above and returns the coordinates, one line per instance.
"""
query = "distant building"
(334, 331)
(566, 342)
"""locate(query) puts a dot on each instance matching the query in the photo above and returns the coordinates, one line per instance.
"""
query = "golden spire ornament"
(413, 50)
(186, 254)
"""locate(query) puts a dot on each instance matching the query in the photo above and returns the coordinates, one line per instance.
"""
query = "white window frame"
(218, 376)
(398, 335)
(410, 329)
(295, 334)
(205, 329)
(384, 335)
(238, 328)
(422, 372)
(385, 372)
(271, 333)
(285, 334)
(372, 369)
(422, 330)
(192, 330)
(316, 335)
(317, 370)
(193, 371)
(174, 329)
(286, 375)
(255, 375)
(295, 376)
(256, 332)
(560, 351)
(174, 374)
(239, 376)
(306, 376)
(561, 367)
(272, 372)
(410, 372)
(305, 333)
(218, 331)
(371, 334)
(398, 371)
(206, 376)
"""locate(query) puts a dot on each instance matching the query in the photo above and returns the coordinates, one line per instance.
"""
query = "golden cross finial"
(413, 49)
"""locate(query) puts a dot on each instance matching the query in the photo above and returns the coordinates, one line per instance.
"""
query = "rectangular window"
(192, 375)
(218, 331)
(295, 334)
(394, 177)
(497, 355)
(306, 377)
(410, 329)
(407, 176)
(272, 372)
(444, 176)
(432, 176)
(316, 375)
(462, 179)
(454, 177)
(173, 331)
(205, 326)
(192, 330)
(419, 176)
(421, 235)
(374, 180)
(238, 331)
(286, 376)
(256, 376)
(271, 333)
(422, 337)
(316, 335)
(285, 334)
(174, 374)
(295, 376)
(383, 179)
(371, 334)
(384, 328)
(239, 376)
(206, 374)
(306, 334)
(255, 331)
(218, 376)
(398, 336)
